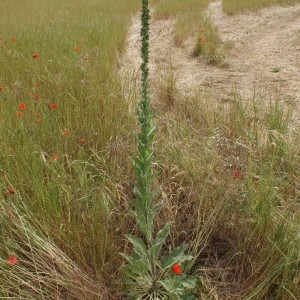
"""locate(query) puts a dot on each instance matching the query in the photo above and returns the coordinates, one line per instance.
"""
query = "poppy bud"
(176, 269)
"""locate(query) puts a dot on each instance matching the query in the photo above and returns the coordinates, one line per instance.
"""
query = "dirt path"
(263, 42)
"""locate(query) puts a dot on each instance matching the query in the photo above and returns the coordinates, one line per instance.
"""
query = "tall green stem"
(146, 261)
(143, 189)
(145, 29)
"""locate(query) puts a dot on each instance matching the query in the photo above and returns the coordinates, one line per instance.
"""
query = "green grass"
(188, 15)
(193, 21)
(71, 195)
(232, 174)
(236, 6)
(229, 178)
(209, 45)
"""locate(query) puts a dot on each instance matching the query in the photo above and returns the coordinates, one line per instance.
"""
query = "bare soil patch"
(266, 51)
(264, 57)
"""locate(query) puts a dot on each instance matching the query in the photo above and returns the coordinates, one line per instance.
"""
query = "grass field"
(63, 123)
(192, 21)
(189, 15)
(229, 179)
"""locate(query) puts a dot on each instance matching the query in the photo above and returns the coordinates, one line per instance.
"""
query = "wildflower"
(1, 88)
(22, 106)
(81, 140)
(54, 156)
(176, 269)
(35, 55)
(13, 39)
(39, 119)
(76, 48)
(19, 113)
(237, 173)
(66, 132)
(202, 40)
(12, 259)
(10, 191)
(37, 84)
(52, 105)
(36, 96)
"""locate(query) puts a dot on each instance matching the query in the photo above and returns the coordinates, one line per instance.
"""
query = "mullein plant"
(149, 273)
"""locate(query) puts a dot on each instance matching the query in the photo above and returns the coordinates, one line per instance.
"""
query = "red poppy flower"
(19, 113)
(66, 132)
(176, 269)
(52, 105)
(237, 173)
(13, 39)
(81, 140)
(76, 48)
(12, 259)
(10, 191)
(39, 120)
(35, 55)
(36, 96)
(22, 106)
(54, 156)
(1, 88)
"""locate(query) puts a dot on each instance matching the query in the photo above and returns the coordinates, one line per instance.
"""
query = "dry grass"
(223, 183)
(193, 22)
(236, 6)
(188, 16)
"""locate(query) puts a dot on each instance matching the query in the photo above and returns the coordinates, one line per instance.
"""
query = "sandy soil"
(261, 42)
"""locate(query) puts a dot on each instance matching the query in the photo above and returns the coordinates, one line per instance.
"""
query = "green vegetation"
(64, 129)
(236, 6)
(149, 273)
(192, 21)
(209, 44)
(228, 179)
(189, 15)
